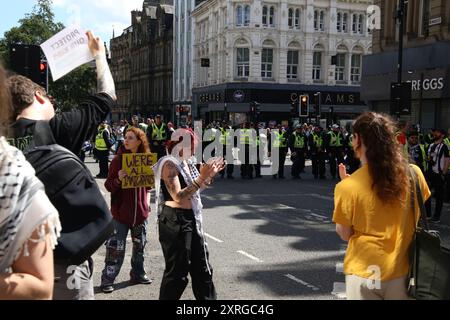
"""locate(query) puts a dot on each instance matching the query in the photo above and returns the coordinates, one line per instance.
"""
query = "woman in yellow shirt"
(373, 213)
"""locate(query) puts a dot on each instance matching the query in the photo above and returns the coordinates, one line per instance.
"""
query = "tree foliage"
(34, 29)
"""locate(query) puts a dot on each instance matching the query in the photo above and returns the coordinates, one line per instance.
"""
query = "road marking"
(320, 217)
(249, 256)
(213, 238)
(306, 284)
(339, 267)
(319, 196)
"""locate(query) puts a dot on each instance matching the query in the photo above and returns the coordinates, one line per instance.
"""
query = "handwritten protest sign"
(66, 51)
(138, 167)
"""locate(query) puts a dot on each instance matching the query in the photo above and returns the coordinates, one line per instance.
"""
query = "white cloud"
(99, 15)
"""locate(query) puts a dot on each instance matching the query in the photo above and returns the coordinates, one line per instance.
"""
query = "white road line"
(319, 216)
(213, 238)
(249, 256)
(340, 267)
(306, 284)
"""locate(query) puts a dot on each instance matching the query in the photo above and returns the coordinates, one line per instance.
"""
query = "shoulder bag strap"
(418, 192)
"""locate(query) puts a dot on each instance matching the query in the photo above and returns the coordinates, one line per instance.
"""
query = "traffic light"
(304, 106)
(43, 74)
(401, 98)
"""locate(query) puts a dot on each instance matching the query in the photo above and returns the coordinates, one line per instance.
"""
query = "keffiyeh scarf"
(24, 207)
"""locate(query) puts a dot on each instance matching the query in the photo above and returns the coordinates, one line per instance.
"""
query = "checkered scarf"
(23, 206)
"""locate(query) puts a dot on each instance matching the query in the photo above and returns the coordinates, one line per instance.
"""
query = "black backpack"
(85, 217)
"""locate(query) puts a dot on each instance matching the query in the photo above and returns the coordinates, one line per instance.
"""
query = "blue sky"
(98, 15)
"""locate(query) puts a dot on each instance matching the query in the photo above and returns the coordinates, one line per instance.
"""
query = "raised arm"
(105, 82)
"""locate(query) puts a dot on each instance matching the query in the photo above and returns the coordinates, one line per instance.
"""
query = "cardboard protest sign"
(138, 167)
(66, 51)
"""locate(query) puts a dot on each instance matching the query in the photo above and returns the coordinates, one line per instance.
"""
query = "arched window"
(291, 18)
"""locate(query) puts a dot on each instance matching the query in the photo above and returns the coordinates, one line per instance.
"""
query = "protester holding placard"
(31, 103)
(130, 209)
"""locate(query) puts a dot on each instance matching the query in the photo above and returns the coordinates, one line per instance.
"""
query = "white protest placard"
(66, 51)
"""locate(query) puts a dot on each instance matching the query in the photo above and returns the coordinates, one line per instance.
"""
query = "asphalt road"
(268, 239)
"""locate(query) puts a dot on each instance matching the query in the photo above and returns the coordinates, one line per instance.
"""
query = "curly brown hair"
(140, 135)
(388, 167)
(5, 103)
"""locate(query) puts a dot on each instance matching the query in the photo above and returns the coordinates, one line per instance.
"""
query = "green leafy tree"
(34, 29)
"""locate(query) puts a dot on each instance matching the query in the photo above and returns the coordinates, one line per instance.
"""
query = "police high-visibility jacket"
(317, 140)
(245, 136)
(299, 140)
(225, 137)
(100, 143)
(280, 140)
(336, 140)
(159, 134)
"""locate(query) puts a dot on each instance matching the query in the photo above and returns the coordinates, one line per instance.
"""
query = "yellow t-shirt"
(382, 232)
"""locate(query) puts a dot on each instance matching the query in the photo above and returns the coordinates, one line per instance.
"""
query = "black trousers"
(184, 252)
(299, 162)
(230, 166)
(336, 157)
(103, 163)
(318, 163)
(437, 182)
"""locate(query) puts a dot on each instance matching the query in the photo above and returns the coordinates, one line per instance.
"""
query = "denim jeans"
(115, 251)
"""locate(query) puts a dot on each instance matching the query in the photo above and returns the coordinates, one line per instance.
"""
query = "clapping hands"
(212, 167)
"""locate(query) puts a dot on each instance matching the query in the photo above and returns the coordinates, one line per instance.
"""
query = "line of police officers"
(304, 142)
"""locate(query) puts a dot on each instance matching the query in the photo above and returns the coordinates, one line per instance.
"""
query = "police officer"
(280, 141)
(102, 147)
(158, 134)
(227, 142)
(209, 135)
(316, 147)
(298, 143)
(417, 153)
(334, 144)
(246, 140)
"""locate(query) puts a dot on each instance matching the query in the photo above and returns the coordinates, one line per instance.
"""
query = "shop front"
(234, 101)
(426, 68)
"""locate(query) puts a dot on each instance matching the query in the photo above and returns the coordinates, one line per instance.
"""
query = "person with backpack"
(32, 106)
(29, 223)
(130, 209)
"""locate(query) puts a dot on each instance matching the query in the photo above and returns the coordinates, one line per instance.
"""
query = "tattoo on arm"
(105, 82)
(173, 184)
